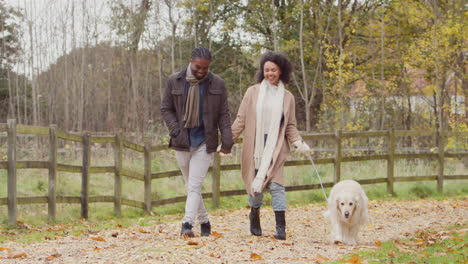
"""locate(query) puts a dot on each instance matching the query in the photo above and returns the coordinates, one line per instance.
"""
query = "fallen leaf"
(119, 226)
(255, 256)
(23, 225)
(4, 249)
(354, 259)
(52, 257)
(16, 255)
(143, 231)
(97, 249)
(98, 238)
(378, 243)
(320, 257)
(115, 234)
(216, 234)
(391, 254)
(212, 255)
(192, 243)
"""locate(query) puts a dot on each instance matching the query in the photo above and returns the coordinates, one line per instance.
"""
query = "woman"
(269, 129)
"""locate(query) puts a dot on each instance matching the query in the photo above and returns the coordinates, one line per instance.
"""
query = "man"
(194, 107)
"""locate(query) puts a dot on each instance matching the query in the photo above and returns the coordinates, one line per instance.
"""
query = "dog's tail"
(326, 214)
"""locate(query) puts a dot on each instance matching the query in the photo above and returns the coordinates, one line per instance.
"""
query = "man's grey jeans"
(278, 197)
(194, 165)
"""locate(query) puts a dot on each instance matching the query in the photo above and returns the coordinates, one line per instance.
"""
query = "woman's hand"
(257, 185)
(223, 152)
(301, 146)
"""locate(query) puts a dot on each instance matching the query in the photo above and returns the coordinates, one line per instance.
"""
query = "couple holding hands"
(195, 108)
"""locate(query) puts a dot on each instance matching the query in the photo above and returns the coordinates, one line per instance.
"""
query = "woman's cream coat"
(245, 122)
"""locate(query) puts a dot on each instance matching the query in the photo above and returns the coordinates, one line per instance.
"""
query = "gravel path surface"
(231, 242)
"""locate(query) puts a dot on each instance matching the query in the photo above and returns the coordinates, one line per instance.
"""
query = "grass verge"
(426, 246)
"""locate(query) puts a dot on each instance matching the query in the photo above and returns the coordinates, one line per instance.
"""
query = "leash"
(318, 175)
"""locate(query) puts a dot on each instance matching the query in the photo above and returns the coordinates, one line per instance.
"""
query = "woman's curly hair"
(279, 59)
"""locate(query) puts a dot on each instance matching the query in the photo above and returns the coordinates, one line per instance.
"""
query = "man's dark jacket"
(215, 112)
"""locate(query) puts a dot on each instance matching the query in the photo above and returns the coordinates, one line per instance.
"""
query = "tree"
(130, 22)
(9, 50)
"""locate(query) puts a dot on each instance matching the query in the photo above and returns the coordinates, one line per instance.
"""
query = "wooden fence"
(119, 143)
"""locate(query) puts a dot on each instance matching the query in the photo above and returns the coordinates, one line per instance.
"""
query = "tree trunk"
(135, 38)
(275, 26)
(33, 75)
(161, 88)
(11, 107)
(305, 88)
(17, 97)
(340, 71)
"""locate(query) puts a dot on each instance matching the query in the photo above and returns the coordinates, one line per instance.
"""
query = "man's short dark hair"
(279, 59)
(201, 53)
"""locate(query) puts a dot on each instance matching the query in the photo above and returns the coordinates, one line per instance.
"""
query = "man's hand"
(223, 152)
(257, 185)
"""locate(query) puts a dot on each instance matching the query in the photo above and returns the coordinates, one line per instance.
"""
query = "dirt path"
(231, 241)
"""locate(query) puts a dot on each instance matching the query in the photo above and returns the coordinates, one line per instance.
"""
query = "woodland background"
(359, 65)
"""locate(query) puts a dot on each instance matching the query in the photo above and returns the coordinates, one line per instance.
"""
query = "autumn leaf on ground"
(402, 246)
(15, 255)
(98, 238)
(5, 249)
(216, 234)
(23, 225)
(143, 231)
(255, 256)
(378, 243)
(354, 259)
(192, 243)
(52, 257)
(320, 257)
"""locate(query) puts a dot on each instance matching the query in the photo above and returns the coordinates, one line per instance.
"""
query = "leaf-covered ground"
(231, 242)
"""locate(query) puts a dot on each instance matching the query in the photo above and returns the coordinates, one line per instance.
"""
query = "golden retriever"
(347, 211)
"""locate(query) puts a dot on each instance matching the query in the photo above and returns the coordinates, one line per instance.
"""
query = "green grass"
(33, 182)
(426, 246)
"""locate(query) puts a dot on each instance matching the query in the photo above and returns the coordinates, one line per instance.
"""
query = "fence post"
(118, 175)
(52, 172)
(440, 158)
(147, 156)
(216, 175)
(391, 161)
(85, 176)
(337, 163)
(12, 202)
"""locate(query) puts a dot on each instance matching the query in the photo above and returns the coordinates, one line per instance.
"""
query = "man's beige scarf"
(263, 152)
(192, 105)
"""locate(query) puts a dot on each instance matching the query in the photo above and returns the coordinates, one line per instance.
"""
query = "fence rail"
(119, 144)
